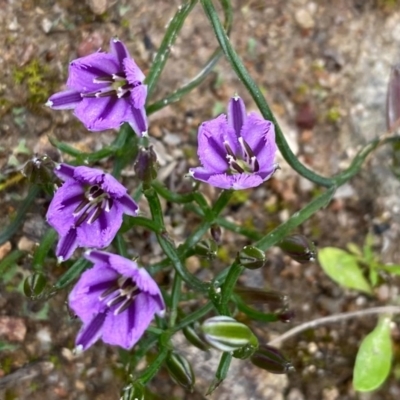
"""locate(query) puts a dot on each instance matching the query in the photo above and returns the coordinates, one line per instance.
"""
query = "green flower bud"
(206, 248)
(246, 351)
(34, 284)
(299, 248)
(192, 337)
(134, 391)
(180, 370)
(251, 257)
(227, 334)
(271, 359)
(275, 301)
(39, 170)
(146, 165)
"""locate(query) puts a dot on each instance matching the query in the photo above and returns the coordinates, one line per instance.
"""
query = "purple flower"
(105, 89)
(87, 209)
(236, 151)
(116, 301)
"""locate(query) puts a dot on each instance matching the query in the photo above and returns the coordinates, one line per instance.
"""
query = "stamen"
(124, 306)
(104, 79)
(110, 290)
(116, 300)
(236, 166)
(95, 215)
(119, 77)
(254, 164)
(229, 150)
(94, 192)
(108, 93)
(80, 207)
(248, 152)
(107, 204)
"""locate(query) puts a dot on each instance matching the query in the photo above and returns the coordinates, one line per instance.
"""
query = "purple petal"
(112, 186)
(211, 151)
(200, 174)
(83, 299)
(237, 182)
(138, 120)
(66, 245)
(66, 199)
(236, 114)
(98, 114)
(138, 96)
(127, 328)
(260, 136)
(132, 71)
(129, 205)
(65, 100)
(64, 171)
(96, 256)
(88, 175)
(90, 333)
(83, 71)
(119, 50)
(121, 265)
(102, 231)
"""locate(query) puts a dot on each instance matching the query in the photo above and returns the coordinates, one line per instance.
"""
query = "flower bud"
(34, 284)
(134, 391)
(246, 351)
(251, 257)
(216, 233)
(286, 315)
(39, 170)
(145, 165)
(180, 370)
(271, 359)
(193, 338)
(206, 248)
(299, 248)
(275, 301)
(227, 334)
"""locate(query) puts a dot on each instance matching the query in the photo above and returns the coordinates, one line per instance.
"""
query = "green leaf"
(374, 358)
(343, 268)
(391, 268)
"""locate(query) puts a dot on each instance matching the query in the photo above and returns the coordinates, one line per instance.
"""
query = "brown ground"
(323, 66)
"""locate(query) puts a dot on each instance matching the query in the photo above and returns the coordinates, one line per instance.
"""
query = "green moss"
(35, 76)
(223, 255)
(239, 197)
(333, 115)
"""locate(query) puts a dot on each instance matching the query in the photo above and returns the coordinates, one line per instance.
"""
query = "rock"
(25, 244)
(12, 328)
(304, 19)
(98, 7)
(5, 248)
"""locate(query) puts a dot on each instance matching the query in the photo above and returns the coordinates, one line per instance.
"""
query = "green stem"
(295, 220)
(257, 96)
(167, 246)
(175, 296)
(201, 312)
(227, 289)
(171, 33)
(221, 373)
(153, 368)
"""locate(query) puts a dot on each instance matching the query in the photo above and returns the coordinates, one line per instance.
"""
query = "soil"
(324, 68)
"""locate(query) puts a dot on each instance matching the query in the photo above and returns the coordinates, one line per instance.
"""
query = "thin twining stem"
(332, 319)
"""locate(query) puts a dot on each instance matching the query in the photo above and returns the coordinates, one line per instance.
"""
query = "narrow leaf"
(374, 358)
(343, 268)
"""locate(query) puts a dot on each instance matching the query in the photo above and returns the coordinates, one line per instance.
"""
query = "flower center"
(94, 202)
(118, 86)
(120, 295)
(245, 164)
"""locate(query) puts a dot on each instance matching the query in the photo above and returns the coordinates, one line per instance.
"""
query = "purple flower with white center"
(106, 90)
(86, 211)
(236, 151)
(116, 301)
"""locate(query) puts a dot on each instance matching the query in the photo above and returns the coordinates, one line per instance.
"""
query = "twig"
(332, 319)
